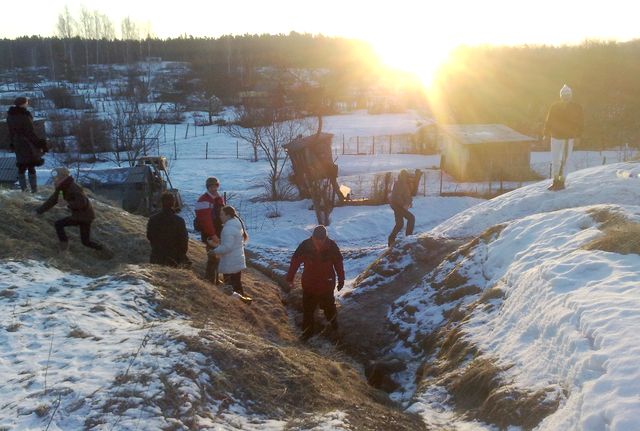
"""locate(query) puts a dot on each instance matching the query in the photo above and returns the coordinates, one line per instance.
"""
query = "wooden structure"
(314, 172)
(8, 172)
(481, 152)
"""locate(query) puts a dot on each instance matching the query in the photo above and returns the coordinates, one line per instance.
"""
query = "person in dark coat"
(167, 233)
(82, 214)
(322, 261)
(25, 143)
(401, 201)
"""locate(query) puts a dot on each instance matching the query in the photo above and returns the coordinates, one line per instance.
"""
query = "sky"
(398, 29)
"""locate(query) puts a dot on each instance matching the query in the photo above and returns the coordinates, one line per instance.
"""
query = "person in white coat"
(230, 250)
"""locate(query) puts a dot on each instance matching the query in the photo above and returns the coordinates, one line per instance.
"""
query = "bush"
(93, 135)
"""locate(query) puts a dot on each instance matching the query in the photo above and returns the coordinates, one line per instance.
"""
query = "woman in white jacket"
(230, 250)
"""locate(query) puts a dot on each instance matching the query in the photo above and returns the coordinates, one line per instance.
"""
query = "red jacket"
(208, 210)
(320, 266)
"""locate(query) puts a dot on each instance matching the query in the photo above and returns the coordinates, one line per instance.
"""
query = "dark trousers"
(310, 301)
(85, 232)
(400, 214)
(22, 179)
(235, 280)
(24, 168)
(211, 272)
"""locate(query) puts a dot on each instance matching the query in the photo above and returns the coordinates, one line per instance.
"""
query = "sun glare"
(421, 60)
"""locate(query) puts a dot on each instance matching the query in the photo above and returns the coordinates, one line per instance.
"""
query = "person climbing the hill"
(29, 148)
(167, 233)
(209, 224)
(230, 250)
(401, 201)
(82, 214)
(322, 261)
(562, 129)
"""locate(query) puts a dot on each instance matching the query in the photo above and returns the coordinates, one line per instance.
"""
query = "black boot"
(33, 183)
(23, 182)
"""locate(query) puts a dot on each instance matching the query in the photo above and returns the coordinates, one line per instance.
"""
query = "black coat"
(23, 139)
(169, 239)
(401, 194)
(77, 201)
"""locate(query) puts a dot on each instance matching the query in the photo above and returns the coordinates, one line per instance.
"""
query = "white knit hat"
(566, 92)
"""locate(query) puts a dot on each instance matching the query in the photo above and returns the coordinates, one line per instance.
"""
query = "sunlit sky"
(413, 35)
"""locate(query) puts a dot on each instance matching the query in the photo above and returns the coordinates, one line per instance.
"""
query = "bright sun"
(423, 61)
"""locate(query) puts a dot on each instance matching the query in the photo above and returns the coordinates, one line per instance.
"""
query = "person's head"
(404, 175)
(212, 184)
(59, 175)
(319, 236)
(566, 93)
(228, 212)
(168, 201)
(21, 102)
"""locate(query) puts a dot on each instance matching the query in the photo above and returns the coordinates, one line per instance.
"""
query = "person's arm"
(296, 261)
(338, 265)
(49, 203)
(228, 238)
(150, 230)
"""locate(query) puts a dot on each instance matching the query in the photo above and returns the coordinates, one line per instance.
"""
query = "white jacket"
(231, 248)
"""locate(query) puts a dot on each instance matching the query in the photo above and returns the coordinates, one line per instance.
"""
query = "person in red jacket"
(322, 261)
(209, 224)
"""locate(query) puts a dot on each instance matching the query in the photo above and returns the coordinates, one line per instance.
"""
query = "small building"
(8, 171)
(482, 152)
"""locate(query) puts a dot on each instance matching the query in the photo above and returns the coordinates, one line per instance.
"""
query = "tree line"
(516, 86)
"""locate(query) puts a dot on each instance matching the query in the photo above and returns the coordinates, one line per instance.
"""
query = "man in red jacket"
(208, 222)
(322, 261)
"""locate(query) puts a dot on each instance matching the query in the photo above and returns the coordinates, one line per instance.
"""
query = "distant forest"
(516, 85)
(509, 85)
(225, 64)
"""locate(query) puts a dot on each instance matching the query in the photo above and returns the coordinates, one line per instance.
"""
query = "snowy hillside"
(534, 322)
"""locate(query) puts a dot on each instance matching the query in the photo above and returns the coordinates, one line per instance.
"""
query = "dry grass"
(619, 235)
(25, 236)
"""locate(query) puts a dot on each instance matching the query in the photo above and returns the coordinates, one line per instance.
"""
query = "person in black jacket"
(81, 212)
(24, 142)
(167, 233)
(401, 201)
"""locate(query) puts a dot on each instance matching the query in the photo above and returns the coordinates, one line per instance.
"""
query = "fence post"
(186, 132)
(237, 149)
(343, 144)
(424, 183)
(390, 142)
(175, 130)
(373, 147)
(175, 151)
(206, 151)
(195, 129)
(357, 144)
(203, 130)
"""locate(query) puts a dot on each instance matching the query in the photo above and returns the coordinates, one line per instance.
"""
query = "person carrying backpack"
(209, 224)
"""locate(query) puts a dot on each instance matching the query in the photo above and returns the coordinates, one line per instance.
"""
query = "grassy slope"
(284, 379)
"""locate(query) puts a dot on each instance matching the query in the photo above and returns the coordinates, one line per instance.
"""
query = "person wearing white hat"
(562, 129)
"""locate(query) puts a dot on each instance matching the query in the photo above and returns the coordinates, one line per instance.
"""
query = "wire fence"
(379, 144)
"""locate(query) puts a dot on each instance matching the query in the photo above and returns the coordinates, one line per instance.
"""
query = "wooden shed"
(481, 152)
(8, 171)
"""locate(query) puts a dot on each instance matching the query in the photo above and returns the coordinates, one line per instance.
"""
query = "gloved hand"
(340, 285)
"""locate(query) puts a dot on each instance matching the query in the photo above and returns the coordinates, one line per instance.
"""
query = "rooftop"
(483, 133)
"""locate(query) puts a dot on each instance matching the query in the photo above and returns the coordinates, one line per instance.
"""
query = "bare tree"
(246, 126)
(86, 29)
(129, 32)
(273, 137)
(133, 132)
(66, 29)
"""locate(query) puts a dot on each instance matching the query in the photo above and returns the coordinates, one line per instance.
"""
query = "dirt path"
(363, 314)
